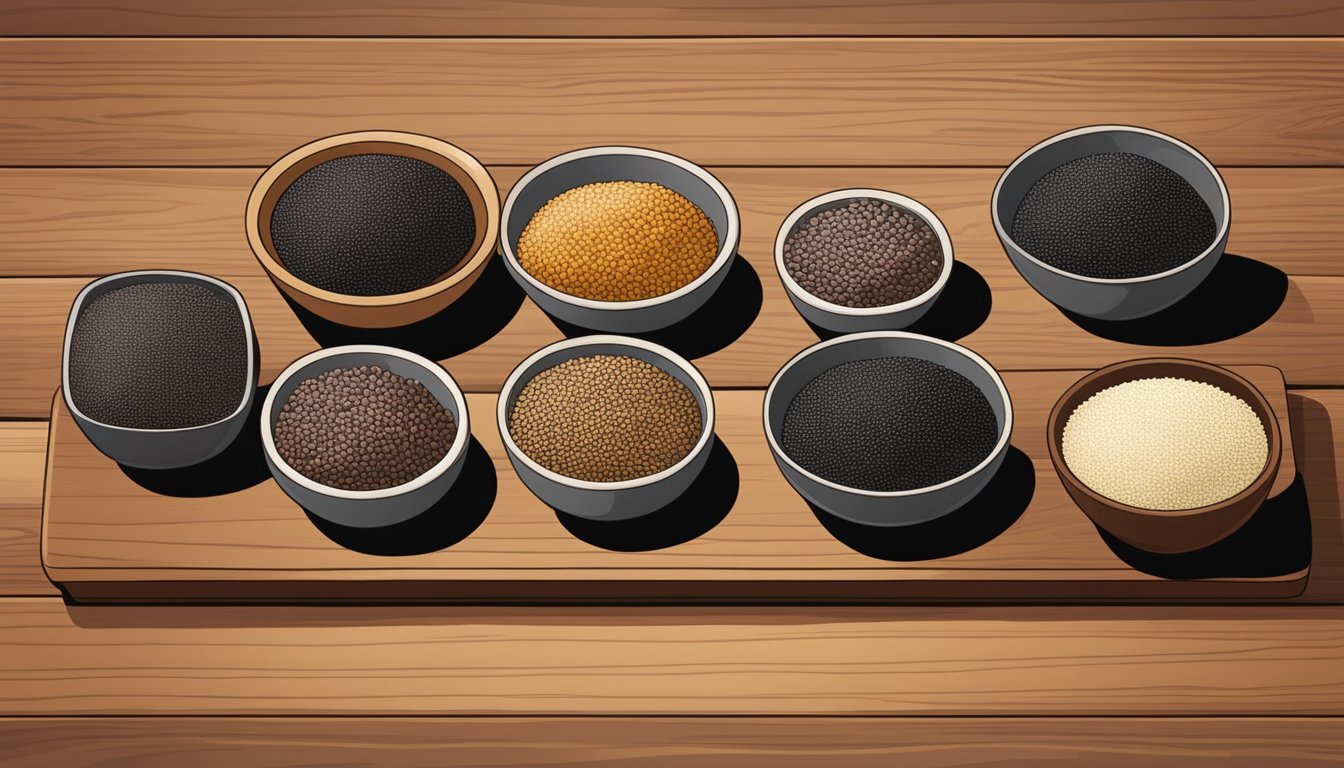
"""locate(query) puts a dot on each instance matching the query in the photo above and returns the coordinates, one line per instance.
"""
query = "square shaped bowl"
(1111, 298)
(1165, 531)
(599, 164)
(385, 506)
(162, 448)
(625, 499)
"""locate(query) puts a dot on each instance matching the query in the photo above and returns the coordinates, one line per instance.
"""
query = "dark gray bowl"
(161, 448)
(385, 506)
(886, 508)
(598, 164)
(1111, 299)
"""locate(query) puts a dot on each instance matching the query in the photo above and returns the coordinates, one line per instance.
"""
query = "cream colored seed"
(1165, 443)
(618, 241)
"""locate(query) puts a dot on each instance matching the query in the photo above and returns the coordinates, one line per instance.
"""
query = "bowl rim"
(901, 201)
(455, 451)
(452, 153)
(1001, 445)
(727, 249)
(249, 384)
(513, 384)
(1219, 236)
(1057, 419)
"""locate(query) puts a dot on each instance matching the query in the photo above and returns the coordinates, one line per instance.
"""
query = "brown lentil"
(869, 253)
(362, 429)
(605, 418)
(618, 241)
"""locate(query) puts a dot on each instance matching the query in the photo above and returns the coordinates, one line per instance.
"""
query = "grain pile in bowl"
(618, 241)
(372, 225)
(889, 424)
(1165, 444)
(1113, 215)
(159, 355)
(868, 253)
(363, 429)
(605, 418)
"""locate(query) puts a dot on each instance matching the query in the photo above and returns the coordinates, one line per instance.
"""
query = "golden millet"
(618, 241)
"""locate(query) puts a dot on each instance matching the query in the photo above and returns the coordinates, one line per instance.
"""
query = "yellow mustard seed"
(618, 241)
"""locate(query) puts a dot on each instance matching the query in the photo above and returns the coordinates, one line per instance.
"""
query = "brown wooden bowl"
(391, 310)
(1165, 531)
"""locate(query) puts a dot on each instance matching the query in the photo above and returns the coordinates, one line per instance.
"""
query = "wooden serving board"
(742, 535)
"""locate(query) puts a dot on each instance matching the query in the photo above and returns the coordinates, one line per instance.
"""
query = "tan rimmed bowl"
(1165, 531)
(391, 310)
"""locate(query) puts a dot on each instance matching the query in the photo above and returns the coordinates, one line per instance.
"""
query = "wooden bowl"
(1165, 531)
(391, 310)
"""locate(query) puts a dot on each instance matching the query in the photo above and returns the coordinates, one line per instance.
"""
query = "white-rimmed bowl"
(1118, 298)
(385, 506)
(842, 319)
(886, 508)
(600, 164)
(161, 448)
(613, 500)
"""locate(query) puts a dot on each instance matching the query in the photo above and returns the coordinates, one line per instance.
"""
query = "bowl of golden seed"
(619, 239)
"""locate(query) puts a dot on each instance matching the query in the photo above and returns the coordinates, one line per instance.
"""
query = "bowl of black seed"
(374, 229)
(863, 260)
(1112, 222)
(888, 428)
(159, 368)
(365, 436)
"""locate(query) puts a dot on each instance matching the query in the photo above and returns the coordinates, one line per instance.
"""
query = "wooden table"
(130, 132)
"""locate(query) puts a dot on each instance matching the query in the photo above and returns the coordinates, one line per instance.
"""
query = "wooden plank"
(23, 447)
(415, 18)
(125, 660)
(836, 101)
(663, 742)
(91, 221)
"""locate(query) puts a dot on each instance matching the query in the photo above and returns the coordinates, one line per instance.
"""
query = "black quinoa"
(889, 424)
(372, 225)
(158, 356)
(1113, 215)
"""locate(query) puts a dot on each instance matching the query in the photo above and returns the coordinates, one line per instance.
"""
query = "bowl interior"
(812, 363)
(1040, 160)
(112, 283)
(479, 207)
(1161, 368)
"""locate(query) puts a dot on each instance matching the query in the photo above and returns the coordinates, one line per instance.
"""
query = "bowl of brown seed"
(858, 260)
(619, 239)
(364, 435)
(374, 229)
(606, 427)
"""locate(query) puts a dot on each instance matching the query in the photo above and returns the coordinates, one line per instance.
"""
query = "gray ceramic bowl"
(1111, 299)
(886, 508)
(161, 448)
(842, 319)
(598, 164)
(386, 506)
(617, 500)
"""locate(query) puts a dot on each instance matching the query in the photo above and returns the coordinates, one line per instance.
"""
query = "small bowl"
(390, 310)
(886, 508)
(162, 448)
(598, 164)
(1111, 298)
(1165, 531)
(842, 319)
(608, 500)
(385, 506)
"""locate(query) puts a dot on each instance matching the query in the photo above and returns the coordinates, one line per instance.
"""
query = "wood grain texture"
(91, 221)
(716, 101)
(667, 742)
(589, 18)
(23, 447)
(123, 660)
(105, 537)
